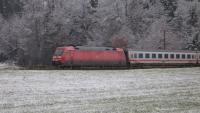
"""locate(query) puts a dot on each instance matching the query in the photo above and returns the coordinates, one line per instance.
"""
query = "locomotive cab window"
(141, 55)
(59, 52)
(147, 55)
(160, 56)
(154, 56)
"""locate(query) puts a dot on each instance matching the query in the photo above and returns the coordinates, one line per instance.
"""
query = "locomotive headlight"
(57, 58)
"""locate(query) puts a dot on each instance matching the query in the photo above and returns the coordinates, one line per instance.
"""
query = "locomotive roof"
(94, 48)
(183, 51)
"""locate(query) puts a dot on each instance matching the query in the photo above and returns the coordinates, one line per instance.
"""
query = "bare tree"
(120, 42)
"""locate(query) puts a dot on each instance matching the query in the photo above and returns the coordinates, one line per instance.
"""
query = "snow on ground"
(107, 91)
(4, 66)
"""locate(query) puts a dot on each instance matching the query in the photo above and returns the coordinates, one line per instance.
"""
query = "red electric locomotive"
(89, 56)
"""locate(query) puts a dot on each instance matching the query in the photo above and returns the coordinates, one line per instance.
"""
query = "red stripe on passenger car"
(159, 60)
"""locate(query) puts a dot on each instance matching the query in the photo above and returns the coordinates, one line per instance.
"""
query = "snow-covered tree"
(10, 7)
(32, 29)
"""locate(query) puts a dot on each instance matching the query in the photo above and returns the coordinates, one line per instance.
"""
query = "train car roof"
(94, 48)
(181, 51)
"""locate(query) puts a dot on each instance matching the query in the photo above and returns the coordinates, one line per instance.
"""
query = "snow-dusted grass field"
(101, 91)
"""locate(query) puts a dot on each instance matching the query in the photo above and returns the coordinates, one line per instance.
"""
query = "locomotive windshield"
(58, 52)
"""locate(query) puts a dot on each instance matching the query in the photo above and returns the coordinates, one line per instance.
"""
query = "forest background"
(32, 29)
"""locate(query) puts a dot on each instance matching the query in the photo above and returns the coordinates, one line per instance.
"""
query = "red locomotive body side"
(85, 56)
(99, 58)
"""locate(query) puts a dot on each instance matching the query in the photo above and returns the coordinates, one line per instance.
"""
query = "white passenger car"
(163, 58)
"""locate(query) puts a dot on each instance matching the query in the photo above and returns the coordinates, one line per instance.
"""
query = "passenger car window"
(135, 55)
(141, 55)
(147, 55)
(189, 57)
(183, 56)
(177, 56)
(166, 56)
(131, 55)
(160, 56)
(154, 56)
(172, 56)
